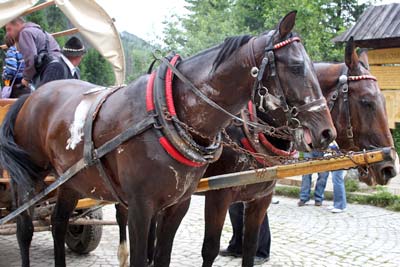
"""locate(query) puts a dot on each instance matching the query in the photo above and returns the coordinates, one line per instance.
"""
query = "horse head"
(288, 89)
(358, 110)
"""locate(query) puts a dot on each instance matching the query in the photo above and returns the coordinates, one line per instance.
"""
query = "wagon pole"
(301, 168)
(44, 225)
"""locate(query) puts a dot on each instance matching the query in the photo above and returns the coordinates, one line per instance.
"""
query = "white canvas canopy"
(89, 18)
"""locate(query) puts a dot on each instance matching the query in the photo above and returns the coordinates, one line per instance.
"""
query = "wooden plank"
(388, 76)
(301, 168)
(66, 32)
(384, 56)
(5, 105)
(392, 98)
(55, 35)
(38, 7)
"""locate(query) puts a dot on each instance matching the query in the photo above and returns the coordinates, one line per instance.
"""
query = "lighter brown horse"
(36, 131)
(370, 130)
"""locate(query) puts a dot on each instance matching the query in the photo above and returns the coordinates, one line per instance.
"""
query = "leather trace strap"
(88, 145)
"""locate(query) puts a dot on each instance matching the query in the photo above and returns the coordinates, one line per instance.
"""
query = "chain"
(269, 160)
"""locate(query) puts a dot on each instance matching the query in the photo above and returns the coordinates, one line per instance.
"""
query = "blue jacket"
(12, 62)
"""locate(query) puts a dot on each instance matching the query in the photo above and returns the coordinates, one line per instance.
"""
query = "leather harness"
(342, 88)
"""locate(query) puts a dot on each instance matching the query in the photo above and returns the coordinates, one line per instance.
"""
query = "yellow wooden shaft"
(301, 168)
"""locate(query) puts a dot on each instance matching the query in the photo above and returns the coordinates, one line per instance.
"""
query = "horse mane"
(228, 47)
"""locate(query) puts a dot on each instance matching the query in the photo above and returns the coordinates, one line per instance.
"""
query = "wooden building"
(378, 28)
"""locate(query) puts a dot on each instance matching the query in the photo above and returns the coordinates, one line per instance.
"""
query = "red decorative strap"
(361, 77)
(246, 145)
(273, 148)
(149, 93)
(175, 154)
(168, 87)
(250, 108)
(286, 42)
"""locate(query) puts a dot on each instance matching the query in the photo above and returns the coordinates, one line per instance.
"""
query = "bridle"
(278, 99)
(343, 89)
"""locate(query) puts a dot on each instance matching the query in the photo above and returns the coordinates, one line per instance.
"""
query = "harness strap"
(88, 145)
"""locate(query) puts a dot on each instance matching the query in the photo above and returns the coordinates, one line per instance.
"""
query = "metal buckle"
(334, 96)
(349, 132)
(295, 122)
(294, 112)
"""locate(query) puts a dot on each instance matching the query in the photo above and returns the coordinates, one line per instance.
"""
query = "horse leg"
(216, 206)
(24, 226)
(152, 240)
(253, 218)
(139, 218)
(166, 230)
(66, 203)
(122, 220)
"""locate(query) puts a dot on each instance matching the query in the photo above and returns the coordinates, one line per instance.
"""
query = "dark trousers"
(52, 72)
(236, 214)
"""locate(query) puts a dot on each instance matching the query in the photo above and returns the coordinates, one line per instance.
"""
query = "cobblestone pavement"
(307, 236)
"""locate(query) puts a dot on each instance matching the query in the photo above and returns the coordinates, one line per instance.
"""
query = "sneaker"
(274, 201)
(330, 207)
(229, 253)
(335, 210)
(301, 203)
(318, 204)
(260, 260)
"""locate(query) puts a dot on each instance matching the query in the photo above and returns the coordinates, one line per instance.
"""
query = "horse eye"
(368, 104)
(297, 69)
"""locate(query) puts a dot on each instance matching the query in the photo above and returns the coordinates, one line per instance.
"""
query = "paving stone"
(307, 236)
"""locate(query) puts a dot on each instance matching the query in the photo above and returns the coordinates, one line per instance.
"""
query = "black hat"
(73, 48)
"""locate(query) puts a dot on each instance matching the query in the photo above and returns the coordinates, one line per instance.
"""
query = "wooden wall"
(385, 65)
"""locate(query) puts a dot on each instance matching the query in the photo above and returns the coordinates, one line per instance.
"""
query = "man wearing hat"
(72, 54)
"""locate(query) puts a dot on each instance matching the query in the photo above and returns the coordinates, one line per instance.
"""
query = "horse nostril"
(327, 135)
(388, 173)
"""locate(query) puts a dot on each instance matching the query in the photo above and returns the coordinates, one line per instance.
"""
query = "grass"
(382, 198)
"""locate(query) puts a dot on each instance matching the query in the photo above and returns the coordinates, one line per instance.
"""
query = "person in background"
(339, 191)
(319, 186)
(236, 214)
(72, 54)
(13, 71)
(40, 50)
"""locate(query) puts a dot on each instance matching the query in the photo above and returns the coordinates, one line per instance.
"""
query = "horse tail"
(23, 171)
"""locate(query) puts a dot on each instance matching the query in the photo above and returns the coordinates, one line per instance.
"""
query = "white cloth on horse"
(80, 115)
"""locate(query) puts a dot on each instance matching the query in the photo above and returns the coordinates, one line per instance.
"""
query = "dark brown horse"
(370, 129)
(40, 135)
(233, 161)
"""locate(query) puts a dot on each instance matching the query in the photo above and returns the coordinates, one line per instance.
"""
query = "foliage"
(209, 22)
(138, 55)
(351, 185)
(95, 69)
(396, 137)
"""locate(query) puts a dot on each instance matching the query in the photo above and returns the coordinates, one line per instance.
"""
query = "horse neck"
(229, 86)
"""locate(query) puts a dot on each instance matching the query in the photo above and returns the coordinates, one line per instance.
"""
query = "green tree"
(95, 69)
(209, 22)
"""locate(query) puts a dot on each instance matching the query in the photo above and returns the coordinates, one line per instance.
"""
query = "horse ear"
(287, 23)
(351, 57)
(364, 58)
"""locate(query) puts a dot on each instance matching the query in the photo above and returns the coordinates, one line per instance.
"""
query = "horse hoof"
(123, 254)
